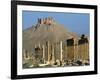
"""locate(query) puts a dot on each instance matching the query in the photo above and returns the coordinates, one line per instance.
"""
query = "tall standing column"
(24, 54)
(39, 45)
(48, 50)
(61, 55)
(53, 56)
(66, 53)
(43, 53)
(75, 49)
(35, 46)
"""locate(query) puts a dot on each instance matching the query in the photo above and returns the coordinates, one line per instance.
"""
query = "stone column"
(48, 50)
(53, 56)
(43, 53)
(35, 46)
(75, 49)
(39, 45)
(24, 55)
(86, 51)
(66, 51)
(61, 55)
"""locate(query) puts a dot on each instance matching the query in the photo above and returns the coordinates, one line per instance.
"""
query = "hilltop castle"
(47, 20)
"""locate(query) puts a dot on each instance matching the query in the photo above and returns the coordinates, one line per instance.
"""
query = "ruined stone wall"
(83, 51)
(78, 50)
(70, 49)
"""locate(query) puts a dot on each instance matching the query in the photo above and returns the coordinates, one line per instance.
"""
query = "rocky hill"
(46, 29)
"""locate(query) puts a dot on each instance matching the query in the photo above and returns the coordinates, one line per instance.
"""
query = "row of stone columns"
(51, 52)
(73, 52)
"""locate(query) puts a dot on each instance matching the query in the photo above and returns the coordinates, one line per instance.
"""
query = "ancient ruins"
(47, 21)
(68, 52)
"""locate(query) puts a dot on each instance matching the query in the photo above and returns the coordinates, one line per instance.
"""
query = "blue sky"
(75, 22)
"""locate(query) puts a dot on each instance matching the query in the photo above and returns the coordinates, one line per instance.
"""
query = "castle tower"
(47, 20)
